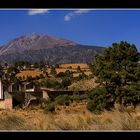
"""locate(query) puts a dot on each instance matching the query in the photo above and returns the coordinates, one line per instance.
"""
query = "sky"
(97, 27)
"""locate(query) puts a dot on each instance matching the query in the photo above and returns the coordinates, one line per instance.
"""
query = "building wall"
(45, 95)
(6, 104)
(1, 90)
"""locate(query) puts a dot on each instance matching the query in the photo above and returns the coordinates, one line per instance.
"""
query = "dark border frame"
(70, 3)
(72, 135)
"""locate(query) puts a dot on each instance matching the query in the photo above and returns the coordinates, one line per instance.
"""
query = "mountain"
(36, 48)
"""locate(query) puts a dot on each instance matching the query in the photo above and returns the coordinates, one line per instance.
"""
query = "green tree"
(41, 65)
(36, 65)
(78, 69)
(53, 71)
(82, 75)
(66, 82)
(56, 65)
(63, 99)
(29, 78)
(45, 72)
(117, 69)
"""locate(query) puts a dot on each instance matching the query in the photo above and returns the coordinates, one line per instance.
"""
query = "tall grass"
(13, 123)
(62, 119)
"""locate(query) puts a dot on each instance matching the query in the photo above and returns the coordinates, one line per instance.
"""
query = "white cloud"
(75, 13)
(37, 11)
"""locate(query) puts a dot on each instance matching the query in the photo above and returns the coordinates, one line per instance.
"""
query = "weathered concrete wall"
(1, 89)
(6, 104)
(45, 95)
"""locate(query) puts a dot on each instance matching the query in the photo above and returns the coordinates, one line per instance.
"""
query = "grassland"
(62, 68)
(27, 73)
(73, 117)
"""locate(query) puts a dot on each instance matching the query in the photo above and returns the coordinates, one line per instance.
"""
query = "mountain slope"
(36, 48)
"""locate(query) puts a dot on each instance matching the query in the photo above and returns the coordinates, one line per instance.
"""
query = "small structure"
(5, 97)
(24, 92)
(52, 94)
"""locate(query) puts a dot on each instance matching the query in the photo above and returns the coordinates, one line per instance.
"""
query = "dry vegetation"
(26, 73)
(73, 117)
(83, 84)
(74, 66)
(62, 68)
(58, 70)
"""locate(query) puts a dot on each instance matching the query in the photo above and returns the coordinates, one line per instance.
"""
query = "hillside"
(36, 48)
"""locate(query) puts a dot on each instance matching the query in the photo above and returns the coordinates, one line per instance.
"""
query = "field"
(74, 66)
(62, 68)
(73, 117)
(26, 73)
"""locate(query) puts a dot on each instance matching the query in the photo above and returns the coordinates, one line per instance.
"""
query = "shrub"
(43, 102)
(93, 107)
(75, 97)
(61, 74)
(99, 100)
(83, 96)
(63, 99)
(66, 82)
(53, 71)
(49, 108)
(52, 84)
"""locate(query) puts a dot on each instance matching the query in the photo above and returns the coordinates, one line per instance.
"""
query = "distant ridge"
(36, 48)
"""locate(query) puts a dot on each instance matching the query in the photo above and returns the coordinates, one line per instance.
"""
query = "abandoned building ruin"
(25, 92)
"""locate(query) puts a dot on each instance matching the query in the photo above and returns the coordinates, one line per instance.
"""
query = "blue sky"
(89, 27)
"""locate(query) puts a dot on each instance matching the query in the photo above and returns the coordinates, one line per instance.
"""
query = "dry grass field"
(62, 68)
(74, 66)
(86, 72)
(58, 70)
(83, 84)
(73, 117)
(26, 73)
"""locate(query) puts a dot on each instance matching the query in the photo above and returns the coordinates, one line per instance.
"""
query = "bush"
(66, 82)
(99, 99)
(49, 108)
(43, 102)
(63, 99)
(75, 97)
(61, 74)
(93, 107)
(53, 71)
(52, 84)
(83, 96)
